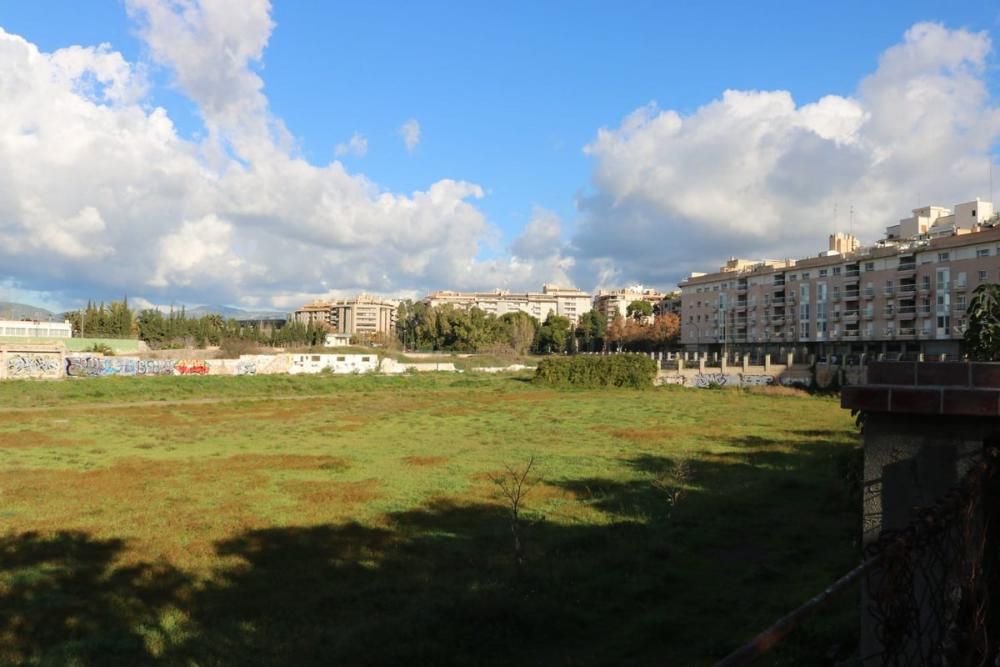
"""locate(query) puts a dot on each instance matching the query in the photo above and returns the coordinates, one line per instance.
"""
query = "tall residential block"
(568, 302)
(364, 315)
(906, 293)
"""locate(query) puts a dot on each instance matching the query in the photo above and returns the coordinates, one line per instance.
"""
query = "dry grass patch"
(425, 460)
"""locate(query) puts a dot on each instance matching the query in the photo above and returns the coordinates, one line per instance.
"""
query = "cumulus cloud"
(410, 131)
(99, 195)
(357, 145)
(540, 237)
(753, 173)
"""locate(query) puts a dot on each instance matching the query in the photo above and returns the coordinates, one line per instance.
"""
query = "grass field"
(353, 521)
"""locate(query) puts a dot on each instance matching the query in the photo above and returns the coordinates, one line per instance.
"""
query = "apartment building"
(613, 303)
(364, 315)
(568, 302)
(907, 293)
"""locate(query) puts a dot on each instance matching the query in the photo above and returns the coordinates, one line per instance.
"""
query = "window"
(341, 358)
(822, 273)
(366, 359)
(794, 276)
(803, 330)
(805, 276)
(983, 252)
(836, 270)
(983, 276)
(869, 266)
(944, 256)
(315, 357)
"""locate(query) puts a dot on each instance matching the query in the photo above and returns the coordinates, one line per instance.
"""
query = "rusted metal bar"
(774, 634)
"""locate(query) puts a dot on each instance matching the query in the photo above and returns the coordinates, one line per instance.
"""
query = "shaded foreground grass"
(361, 526)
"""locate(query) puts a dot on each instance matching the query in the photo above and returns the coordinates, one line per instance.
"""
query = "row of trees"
(449, 328)
(419, 326)
(176, 329)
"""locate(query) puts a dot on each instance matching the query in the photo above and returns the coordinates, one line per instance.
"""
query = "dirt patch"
(336, 493)
(425, 460)
(28, 439)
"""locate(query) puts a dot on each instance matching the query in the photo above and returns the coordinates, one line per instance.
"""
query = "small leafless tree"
(673, 484)
(514, 484)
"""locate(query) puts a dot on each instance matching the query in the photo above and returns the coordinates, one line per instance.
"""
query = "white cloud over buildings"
(752, 173)
(100, 195)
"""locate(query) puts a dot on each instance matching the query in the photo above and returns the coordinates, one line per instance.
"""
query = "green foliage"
(452, 329)
(982, 336)
(591, 330)
(553, 336)
(176, 330)
(639, 310)
(617, 370)
(101, 348)
(113, 320)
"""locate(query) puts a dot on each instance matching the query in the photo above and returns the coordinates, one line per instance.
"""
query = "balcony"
(850, 314)
(907, 312)
(851, 294)
(836, 296)
(906, 332)
(959, 307)
(777, 319)
(852, 272)
(869, 292)
(924, 310)
(908, 288)
(943, 287)
(778, 301)
(957, 287)
(888, 312)
(853, 334)
(889, 291)
(868, 314)
(835, 315)
(907, 266)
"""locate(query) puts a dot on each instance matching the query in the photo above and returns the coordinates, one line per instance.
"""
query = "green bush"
(617, 370)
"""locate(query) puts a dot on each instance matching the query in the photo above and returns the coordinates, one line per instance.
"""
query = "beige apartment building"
(907, 293)
(568, 302)
(615, 302)
(364, 315)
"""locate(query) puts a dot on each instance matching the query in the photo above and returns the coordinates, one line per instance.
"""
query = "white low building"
(332, 363)
(35, 329)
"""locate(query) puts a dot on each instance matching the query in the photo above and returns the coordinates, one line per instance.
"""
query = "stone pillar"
(790, 359)
(812, 359)
(767, 363)
(701, 365)
(724, 364)
(680, 364)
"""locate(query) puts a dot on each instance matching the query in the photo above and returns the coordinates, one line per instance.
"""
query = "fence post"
(767, 362)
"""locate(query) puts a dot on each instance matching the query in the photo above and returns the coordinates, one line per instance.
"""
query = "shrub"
(617, 370)
(101, 348)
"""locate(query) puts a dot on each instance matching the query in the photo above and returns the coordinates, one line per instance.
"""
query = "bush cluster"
(616, 370)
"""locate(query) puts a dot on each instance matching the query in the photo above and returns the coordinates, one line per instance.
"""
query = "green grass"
(359, 525)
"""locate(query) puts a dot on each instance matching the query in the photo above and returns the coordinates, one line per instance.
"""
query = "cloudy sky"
(231, 151)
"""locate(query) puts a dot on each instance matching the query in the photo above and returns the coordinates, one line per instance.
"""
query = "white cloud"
(357, 145)
(410, 131)
(540, 237)
(99, 195)
(754, 174)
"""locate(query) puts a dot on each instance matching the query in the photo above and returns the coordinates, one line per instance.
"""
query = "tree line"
(418, 327)
(454, 329)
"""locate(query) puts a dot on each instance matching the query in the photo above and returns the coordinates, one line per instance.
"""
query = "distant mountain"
(235, 313)
(19, 311)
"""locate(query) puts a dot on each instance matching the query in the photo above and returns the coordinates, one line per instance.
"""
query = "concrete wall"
(333, 363)
(31, 362)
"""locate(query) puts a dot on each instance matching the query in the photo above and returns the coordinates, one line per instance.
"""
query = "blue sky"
(506, 98)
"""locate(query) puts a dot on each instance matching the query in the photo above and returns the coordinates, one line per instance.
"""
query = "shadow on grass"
(437, 585)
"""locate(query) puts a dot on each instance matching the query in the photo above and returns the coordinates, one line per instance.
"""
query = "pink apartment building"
(907, 293)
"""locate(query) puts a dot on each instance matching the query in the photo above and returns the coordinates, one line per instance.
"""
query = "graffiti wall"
(92, 367)
(33, 365)
(154, 367)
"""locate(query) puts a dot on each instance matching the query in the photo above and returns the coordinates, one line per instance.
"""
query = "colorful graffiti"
(191, 368)
(29, 365)
(99, 366)
(149, 367)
